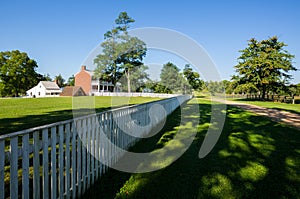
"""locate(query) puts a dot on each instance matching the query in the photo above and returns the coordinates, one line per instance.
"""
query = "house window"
(39, 93)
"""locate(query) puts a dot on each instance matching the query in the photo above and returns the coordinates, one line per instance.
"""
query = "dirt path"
(276, 115)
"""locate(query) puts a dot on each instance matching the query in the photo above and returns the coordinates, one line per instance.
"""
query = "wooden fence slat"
(84, 155)
(61, 161)
(97, 147)
(105, 147)
(88, 147)
(79, 156)
(45, 164)
(2, 164)
(74, 150)
(25, 166)
(14, 167)
(93, 148)
(67, 160)
(53, 163)
(100, 144)
(36, 165)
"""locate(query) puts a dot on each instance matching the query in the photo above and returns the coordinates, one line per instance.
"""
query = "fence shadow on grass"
(254, 158)
(10, 125)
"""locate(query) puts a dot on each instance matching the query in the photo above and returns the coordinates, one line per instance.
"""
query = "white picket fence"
(61, 160)
(134, 94)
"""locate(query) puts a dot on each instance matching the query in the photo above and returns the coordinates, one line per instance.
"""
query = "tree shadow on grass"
(254, 158)
(287, 110)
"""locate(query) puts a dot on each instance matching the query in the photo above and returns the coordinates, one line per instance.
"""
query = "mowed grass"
(19, 114)
(253, 158)
(293, 108)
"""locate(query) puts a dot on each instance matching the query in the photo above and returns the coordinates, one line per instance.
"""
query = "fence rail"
(63, 159)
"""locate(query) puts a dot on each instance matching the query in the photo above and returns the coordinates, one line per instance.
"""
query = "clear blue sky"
(60, 34)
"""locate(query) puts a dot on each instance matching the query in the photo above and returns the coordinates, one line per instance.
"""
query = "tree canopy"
(192, 77)
(17, 73)
(170, 77)
(60, 81)
(121, 55)
(264, 67)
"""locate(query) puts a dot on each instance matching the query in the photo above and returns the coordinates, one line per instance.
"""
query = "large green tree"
(17, 73)
(192, 77)
(121, 53)
(171, 78)
(264, 66)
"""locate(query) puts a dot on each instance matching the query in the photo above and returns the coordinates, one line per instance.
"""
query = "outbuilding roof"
(50, 85)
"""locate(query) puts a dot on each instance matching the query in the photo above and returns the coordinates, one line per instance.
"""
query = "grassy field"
(254, 158)
(19, 114)
(294, 108)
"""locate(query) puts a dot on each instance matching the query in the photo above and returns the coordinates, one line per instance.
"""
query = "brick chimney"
(83, 68)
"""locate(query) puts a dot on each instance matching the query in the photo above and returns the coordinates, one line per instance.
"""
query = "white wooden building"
(44, 89)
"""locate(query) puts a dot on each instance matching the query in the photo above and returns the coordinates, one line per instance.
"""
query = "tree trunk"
(263, 96)
(128, 82)
(114, 79)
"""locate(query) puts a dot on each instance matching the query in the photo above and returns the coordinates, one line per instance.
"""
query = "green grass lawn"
(294, 108)
(20, 114)
(254, 158)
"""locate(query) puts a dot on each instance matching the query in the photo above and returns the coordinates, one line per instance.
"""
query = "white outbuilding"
(44, 89)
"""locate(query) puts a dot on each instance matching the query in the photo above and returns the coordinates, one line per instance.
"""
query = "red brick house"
(91, 85)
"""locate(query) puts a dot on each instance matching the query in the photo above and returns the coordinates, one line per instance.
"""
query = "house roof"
(50, 85)
(71, 91)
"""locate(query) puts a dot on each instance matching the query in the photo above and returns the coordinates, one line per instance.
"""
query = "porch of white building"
(102, 86)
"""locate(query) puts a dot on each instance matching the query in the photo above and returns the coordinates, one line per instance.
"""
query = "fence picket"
(84, 155)
(67, 160)
(25, 166)
(14, 167)
(88, 147)
(36, 166)
(61, 161)
(53, 163)
(79, 156)
(45, 164)
(74, 150)
(97, 147)
(92, 152)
